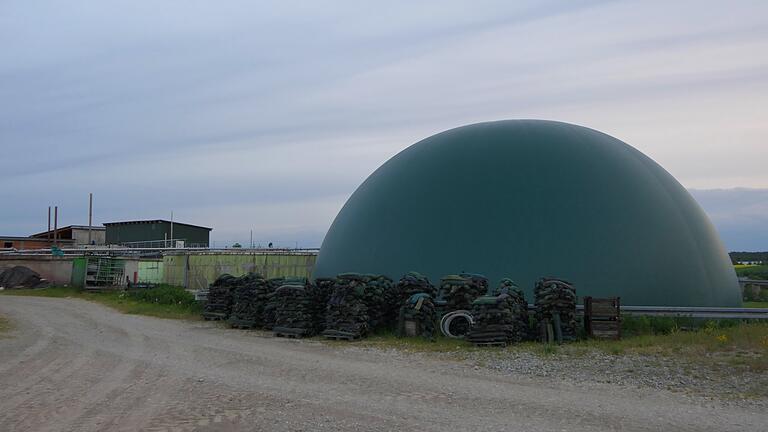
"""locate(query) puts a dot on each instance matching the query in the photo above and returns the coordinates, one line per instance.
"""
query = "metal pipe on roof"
(56, 225)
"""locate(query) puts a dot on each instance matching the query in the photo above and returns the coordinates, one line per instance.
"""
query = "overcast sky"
(245, 115)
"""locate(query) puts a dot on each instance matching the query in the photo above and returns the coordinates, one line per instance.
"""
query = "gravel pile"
(418, 317)
(555, 301)
(21, 277)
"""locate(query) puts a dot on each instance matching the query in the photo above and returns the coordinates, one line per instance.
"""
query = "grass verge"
(755, 304)
(719, 345)
(5, 326)
(161, 302)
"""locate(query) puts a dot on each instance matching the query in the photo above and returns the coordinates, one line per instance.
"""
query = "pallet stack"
(555, 301)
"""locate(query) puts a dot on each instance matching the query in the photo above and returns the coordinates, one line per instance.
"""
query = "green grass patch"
(723, 344)
(755, 304)
(161, 302)
(752, 271)
(5, 326)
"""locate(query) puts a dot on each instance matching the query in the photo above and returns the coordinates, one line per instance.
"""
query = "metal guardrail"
(689, 312)
(697, 312)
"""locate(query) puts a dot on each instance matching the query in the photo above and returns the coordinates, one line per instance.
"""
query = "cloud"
(287, 107)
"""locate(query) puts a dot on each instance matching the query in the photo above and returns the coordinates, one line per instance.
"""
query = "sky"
(265, 116)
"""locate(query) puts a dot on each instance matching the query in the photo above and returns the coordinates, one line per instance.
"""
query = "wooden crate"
(602, 317)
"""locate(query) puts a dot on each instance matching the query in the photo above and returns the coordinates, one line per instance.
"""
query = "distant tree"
(237, 245)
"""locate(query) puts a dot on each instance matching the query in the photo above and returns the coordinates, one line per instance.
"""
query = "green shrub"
(166, 295)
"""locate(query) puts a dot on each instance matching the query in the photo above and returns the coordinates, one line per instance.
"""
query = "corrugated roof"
(155, 221)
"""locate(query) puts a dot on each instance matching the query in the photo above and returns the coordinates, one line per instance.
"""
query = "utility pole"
(56, 225)
(90, 216)
(48, 233)
(251, 239)
(172, 241)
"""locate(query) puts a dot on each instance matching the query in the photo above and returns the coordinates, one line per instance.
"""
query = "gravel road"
(74, 365)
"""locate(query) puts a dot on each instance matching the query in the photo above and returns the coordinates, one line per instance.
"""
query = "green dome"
(530, 198)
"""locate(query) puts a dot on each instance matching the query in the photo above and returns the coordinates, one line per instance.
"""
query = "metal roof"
(151, 221)
(69, 227)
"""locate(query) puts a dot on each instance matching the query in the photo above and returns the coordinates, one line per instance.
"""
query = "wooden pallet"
(288, 335)
(342, 337)
(491, 344)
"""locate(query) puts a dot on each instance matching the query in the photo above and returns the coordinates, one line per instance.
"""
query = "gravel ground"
(74, 365)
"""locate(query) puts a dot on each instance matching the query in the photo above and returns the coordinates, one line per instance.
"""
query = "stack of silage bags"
(220, 293)
(346, 315)
(418, 317)
(249, 298)
(295, 309)
(555, 301)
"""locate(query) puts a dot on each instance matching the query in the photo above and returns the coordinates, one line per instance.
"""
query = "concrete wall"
(151, 271)
(57, 270)
(199, 270)
(80, 236)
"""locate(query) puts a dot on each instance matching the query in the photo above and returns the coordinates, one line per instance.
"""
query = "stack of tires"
(555, 301)
(220, 296)
(418, 317)
(295, 309)
(459, 292)
(375, 297)
(270, 307)
(249, 298)
(519, 308)
(413, 283)
(494, 320)
(346, 315)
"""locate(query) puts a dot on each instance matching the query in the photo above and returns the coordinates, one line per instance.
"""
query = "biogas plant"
(526, 199)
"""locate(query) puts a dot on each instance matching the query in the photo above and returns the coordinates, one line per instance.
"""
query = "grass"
(5, 326)
(752, 271)
(755, 304)
(717, 344)
(160, 302)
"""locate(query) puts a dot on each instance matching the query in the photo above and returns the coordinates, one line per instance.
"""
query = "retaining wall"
(199, 270)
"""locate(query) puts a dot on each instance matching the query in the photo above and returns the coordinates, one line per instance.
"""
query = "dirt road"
(78, 366)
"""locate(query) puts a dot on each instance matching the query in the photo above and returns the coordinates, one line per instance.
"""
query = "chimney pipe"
(56, 225)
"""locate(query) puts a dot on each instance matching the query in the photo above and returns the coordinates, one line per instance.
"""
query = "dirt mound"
(21, 277)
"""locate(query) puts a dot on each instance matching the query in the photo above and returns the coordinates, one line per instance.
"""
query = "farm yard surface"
(68, 364)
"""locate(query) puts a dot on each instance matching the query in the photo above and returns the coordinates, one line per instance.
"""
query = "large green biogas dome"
(530, 198)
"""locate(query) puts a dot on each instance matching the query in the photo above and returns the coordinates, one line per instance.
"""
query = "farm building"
(17, 242)
(526, 199)
(78, 234)
(157, 233)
